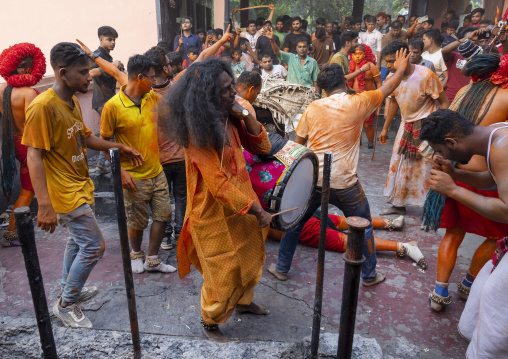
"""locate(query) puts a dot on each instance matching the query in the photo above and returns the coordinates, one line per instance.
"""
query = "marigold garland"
(10, 59)
(369, 57)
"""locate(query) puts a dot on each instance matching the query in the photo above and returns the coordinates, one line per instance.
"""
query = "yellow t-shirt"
(58, 129)
(135, 127)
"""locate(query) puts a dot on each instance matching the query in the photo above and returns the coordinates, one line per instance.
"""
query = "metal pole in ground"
(25, 228)
(124, 244)
(318, 297)
(352, 272)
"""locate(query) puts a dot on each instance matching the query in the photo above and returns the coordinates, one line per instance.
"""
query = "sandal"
(10, 239)
(463, 291)
(437, 302)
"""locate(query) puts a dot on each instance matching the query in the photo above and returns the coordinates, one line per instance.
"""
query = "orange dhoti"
(219, 237)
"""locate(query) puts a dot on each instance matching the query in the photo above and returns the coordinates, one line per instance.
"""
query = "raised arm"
(401, 62)
(212, 50)
(272, 12)
(275, 48)
(108, 67)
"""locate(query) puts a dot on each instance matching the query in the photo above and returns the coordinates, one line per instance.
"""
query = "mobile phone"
(423, 19)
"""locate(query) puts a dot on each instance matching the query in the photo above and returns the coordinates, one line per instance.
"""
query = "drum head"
(297, 192)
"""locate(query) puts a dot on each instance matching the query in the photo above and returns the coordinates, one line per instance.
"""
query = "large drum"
(284, 179)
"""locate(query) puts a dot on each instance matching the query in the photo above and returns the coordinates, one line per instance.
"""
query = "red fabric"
(369, 57)
(334, 240)
(500, 77)
(455, 214)
(456, 80)
(370, 119)
(11, 57)
(21, 153)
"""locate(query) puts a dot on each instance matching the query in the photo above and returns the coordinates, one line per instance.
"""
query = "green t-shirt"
(280, 35)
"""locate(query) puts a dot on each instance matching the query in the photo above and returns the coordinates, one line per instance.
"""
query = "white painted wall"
(45, 23)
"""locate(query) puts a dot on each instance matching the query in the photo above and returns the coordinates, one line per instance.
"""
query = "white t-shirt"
(437, 59)
(372, 39)
(278, 72)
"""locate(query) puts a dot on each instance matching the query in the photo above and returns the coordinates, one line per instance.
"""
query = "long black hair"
(193, 110)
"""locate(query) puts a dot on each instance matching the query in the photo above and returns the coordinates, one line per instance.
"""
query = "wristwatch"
(245, 113)
(95, 55)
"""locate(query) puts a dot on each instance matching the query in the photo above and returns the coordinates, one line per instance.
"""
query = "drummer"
(335, 124)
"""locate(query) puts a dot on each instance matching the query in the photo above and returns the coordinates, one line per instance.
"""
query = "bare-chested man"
(15, 96)
(483, 103)
(484, 319)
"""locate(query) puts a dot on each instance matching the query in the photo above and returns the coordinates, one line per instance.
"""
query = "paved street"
(395, 313)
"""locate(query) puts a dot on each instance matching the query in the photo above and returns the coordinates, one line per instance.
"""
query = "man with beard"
(225, 227)
(483, 103)
(271, 70)
(297, 35)
(457, 139)
(57, 141)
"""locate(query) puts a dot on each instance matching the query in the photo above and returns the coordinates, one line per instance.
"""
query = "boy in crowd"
(381, 22)
(428, 24)
(279, 29)
(268, 69)
(416, 49)
(131, 116)
(201, 33)
(189, 39)
(372, 37)
(477, 16)
(237, 66)
(450, 30)
(104, 86)
(249, 57)
(320, 22)
(396, 33)
(263, 45)
(323, 48)
(192, 55)
(432, 41)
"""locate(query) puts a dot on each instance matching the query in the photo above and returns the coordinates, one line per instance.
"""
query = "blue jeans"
(352, 202)
(384, 73)
(177, 182)
(84, 248)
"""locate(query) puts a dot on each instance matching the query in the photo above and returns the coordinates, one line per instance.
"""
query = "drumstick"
(287, 210)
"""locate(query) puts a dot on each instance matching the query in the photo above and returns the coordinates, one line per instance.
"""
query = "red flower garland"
(498, 77)
(11, 57)
(369, 57)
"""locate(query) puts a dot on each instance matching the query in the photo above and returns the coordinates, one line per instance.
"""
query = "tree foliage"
(310, 10)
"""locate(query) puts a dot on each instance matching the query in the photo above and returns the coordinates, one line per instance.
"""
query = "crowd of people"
(184, 114)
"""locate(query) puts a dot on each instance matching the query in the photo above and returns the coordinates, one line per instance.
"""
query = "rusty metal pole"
(352, 272)
(318, 297)
(25, 228)
(124, 244)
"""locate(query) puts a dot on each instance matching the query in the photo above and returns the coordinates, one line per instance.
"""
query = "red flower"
(11, 57)
(500, 77)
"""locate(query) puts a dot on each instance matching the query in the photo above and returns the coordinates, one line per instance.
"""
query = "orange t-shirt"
(335, 124)
(58, 129)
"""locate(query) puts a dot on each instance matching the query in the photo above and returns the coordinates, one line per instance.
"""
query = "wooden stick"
(287, 210)
(253, 7)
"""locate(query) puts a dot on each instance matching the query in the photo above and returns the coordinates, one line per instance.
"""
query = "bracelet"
(272, 40)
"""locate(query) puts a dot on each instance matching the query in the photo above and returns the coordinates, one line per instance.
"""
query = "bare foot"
(251, 308)
(215, 335)
(393, 210)
(277, 275)
(380, 276)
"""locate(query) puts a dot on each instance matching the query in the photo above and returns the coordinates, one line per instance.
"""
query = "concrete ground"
(396, 313)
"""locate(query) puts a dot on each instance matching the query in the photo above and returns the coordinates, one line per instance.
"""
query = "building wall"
(50, 22)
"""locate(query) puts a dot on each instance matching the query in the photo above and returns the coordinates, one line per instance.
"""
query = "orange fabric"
(218, 236)
(335, 124)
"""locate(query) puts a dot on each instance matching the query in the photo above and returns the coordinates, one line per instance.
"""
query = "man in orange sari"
(225, 227)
